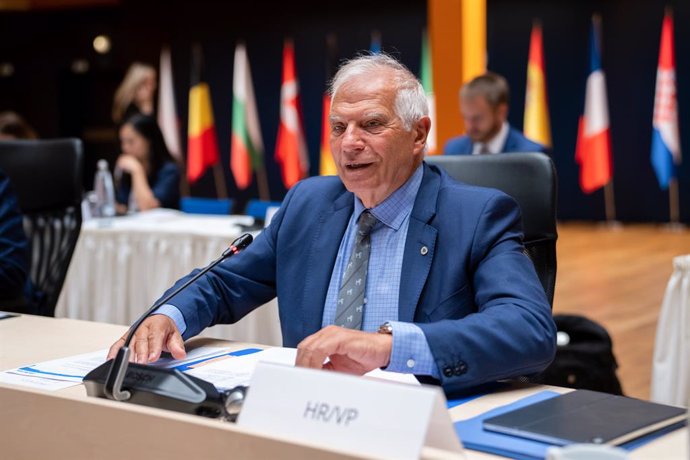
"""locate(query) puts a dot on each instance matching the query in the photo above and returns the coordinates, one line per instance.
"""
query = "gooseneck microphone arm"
(118, 369)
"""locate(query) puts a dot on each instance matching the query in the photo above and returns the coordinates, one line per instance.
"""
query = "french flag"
(665, 139)
(593, 148)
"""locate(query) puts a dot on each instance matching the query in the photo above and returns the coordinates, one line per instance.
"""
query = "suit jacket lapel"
(322, 255)
(509, 145)
(419, 245)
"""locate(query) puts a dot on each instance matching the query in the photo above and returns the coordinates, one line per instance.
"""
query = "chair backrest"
(47, 178)
(193, 205)
(257, 208)
(530, 178)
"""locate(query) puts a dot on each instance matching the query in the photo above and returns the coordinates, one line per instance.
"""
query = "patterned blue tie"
(351, 295)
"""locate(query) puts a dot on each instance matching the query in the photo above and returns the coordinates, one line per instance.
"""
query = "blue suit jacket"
(515, 142)
(474, 293)
(15, 285)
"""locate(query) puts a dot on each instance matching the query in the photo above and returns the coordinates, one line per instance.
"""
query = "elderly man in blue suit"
(392, 264)
(484, 107)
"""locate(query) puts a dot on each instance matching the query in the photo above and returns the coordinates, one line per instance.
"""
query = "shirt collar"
(393, 210)
(496, 144)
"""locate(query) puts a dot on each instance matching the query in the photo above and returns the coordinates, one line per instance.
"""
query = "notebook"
(586, 416)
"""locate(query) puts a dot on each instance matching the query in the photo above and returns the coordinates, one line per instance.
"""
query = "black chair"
(47, 178)
(530, 178)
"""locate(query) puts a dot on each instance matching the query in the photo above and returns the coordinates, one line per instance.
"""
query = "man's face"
(373, 153)
(482, 122)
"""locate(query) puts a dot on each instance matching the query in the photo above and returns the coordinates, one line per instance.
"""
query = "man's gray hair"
(410, 101)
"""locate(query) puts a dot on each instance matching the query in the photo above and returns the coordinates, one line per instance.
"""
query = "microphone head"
(242, 242)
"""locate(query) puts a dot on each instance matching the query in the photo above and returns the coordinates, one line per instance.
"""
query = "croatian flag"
(593, 149)
(665, 140)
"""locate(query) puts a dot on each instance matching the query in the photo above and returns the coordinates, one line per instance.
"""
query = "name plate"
(348, 413)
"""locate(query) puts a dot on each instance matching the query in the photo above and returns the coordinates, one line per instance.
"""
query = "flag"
(665, 139)
(326, 164)
(202, 145)
(426, 76)
(167, 111)
(291, 150)
(247, 149)
(593, 149)
(375, 44)
(536, 123)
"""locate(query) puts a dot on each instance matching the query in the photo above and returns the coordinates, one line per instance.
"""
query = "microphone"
(120, 380)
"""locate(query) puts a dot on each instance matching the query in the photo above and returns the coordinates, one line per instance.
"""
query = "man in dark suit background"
(449, 294)
(484, 107)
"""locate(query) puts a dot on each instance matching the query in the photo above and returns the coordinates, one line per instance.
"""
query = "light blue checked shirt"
(411, 353)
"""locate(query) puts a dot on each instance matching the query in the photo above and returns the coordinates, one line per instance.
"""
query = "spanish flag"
(202, 145)
(326, 164)
(537, 126)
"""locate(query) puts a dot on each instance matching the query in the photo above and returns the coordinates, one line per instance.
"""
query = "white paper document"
(228, 373)
(223, 368)
(64, 372)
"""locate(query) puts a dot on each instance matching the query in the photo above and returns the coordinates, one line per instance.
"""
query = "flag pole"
(262, 183)
(674, 204)
(609, 202)
(219, 179)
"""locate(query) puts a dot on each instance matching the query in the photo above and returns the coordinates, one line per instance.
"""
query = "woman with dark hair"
(146, 174)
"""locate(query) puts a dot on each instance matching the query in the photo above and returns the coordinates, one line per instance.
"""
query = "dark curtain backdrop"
(42, 46)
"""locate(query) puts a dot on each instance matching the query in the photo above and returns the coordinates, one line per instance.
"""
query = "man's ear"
(502, 112)
(421, 132)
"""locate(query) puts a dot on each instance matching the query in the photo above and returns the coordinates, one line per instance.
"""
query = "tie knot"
(366, 222)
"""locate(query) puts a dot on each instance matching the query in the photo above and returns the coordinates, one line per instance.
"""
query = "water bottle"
(105, 191)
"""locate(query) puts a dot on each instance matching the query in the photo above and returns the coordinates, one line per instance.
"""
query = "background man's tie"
(351, 295)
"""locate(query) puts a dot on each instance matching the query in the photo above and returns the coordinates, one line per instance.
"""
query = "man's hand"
(348, 350)
(156, 334)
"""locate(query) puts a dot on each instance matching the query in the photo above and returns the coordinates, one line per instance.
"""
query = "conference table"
(122, 265)
(68, 424)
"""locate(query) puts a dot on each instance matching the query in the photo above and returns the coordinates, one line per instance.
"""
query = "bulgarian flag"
(593, 149)
(536, 122)
(247, 149)
(665, 139)
(426, 76)
(202, 145)
(291, 150)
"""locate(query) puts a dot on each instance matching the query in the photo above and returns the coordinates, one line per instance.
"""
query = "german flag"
(327, 165)
(202, 145)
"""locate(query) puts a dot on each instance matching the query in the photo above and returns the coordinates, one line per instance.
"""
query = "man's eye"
(337, 129)
(373, 124)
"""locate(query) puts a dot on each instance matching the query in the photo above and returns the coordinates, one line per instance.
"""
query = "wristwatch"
(386, 328)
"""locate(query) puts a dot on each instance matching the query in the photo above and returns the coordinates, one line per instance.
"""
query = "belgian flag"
(202, 144)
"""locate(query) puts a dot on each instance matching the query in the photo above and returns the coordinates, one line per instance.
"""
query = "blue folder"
(473, 435)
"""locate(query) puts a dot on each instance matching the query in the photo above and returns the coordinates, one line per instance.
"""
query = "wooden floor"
(618, 277)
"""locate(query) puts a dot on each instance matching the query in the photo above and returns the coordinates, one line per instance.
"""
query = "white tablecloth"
(671, 366)
(122, 265)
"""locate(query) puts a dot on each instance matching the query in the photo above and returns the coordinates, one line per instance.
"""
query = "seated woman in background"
(13, 126)
(146, 175)
(135, 93)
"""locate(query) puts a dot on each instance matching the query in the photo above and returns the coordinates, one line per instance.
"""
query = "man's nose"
(352, 138)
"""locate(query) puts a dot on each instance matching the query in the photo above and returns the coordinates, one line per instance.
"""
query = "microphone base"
(161, 388)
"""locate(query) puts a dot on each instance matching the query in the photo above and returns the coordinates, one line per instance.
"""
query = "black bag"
(586, 361)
